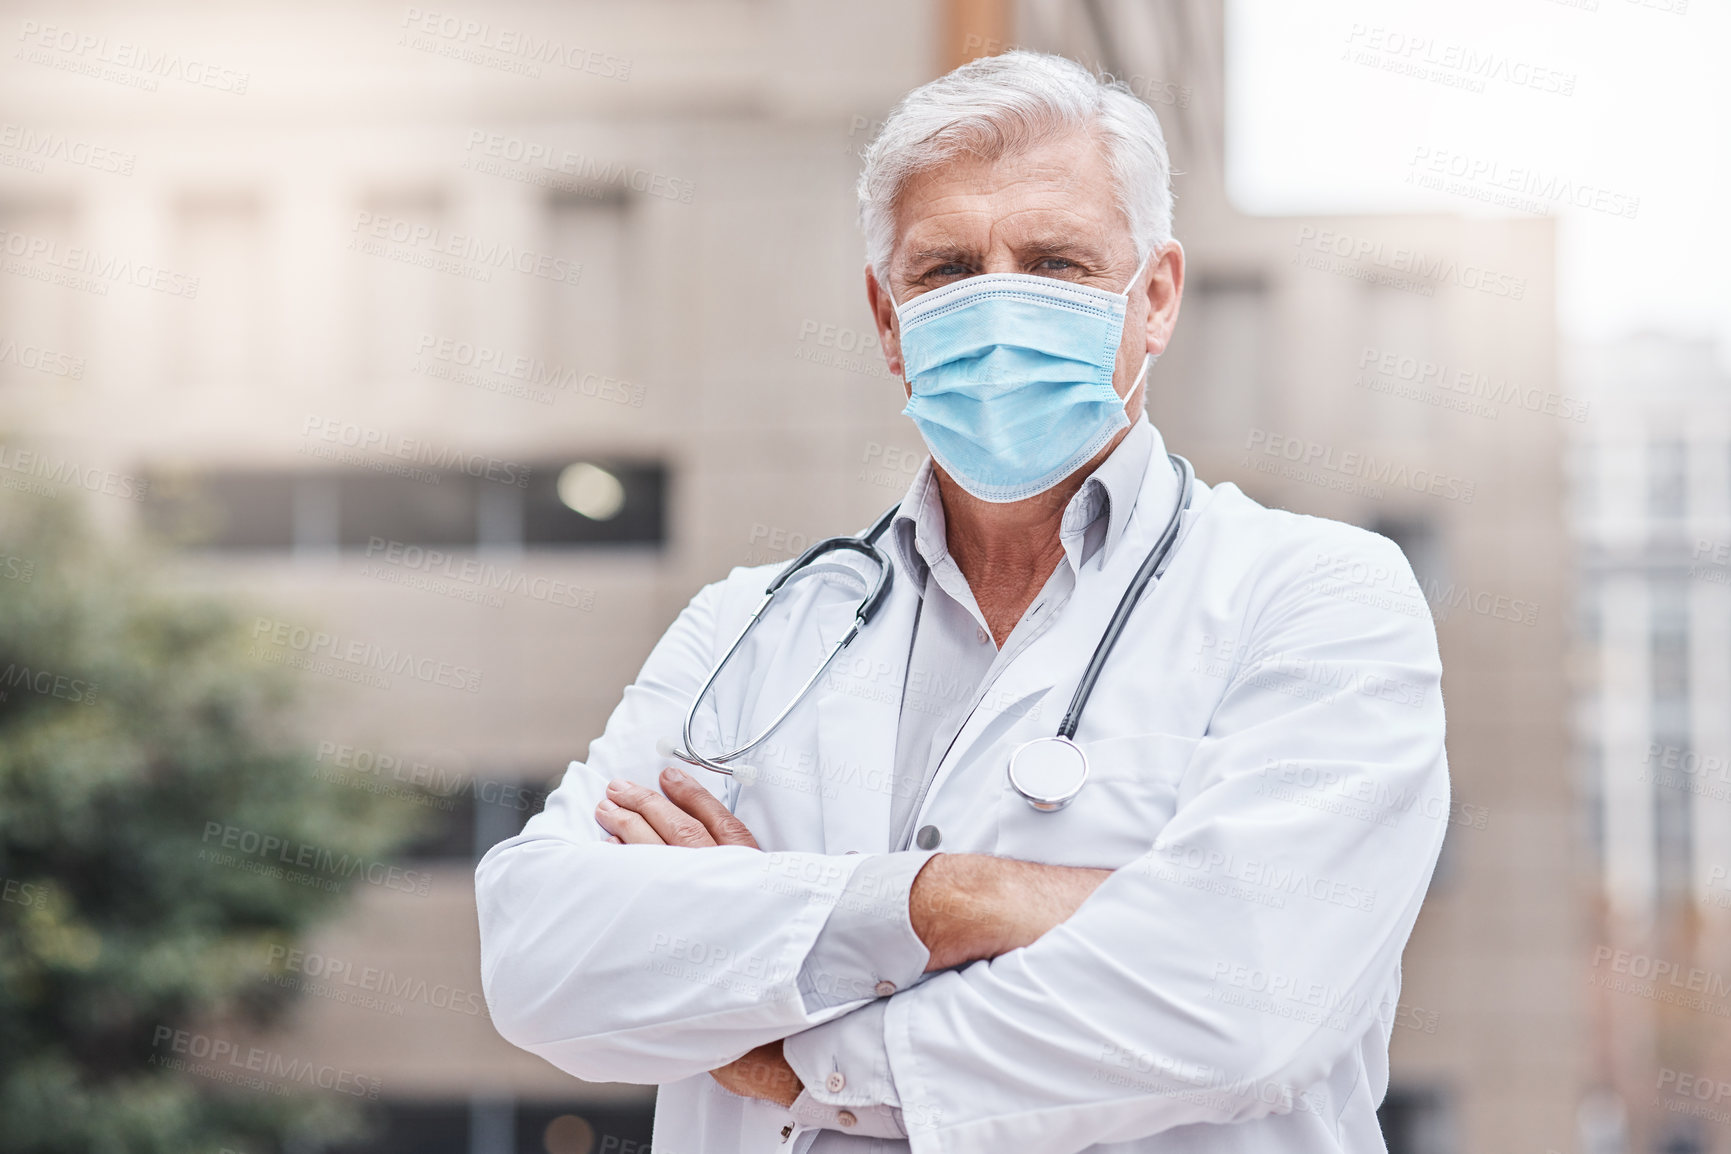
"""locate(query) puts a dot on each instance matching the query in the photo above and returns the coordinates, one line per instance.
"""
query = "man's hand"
(761, 1073)
(966, 907)
(963, 907)
(688, 815)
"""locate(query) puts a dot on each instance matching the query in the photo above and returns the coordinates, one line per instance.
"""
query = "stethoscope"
(1048, 771)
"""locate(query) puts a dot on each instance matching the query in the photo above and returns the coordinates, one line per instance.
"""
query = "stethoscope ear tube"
(1152, 567)
(868, 607)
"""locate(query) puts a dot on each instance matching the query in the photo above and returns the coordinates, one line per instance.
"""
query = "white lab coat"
(1267, 777)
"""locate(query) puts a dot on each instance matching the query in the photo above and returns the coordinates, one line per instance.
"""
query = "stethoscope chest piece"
(1048, 772)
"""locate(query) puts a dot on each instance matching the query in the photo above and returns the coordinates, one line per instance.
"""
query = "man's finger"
(685, 792)
(627, 826)
(762, 1073)
(675, 826)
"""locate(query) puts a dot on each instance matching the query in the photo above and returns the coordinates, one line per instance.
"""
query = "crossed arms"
(581, 966)
(963, 907)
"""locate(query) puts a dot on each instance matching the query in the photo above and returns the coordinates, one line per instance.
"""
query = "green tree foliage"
(130, 720)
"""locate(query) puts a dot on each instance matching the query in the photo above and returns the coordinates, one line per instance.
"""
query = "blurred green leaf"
(131, 718)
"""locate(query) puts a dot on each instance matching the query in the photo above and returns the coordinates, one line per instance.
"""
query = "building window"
(1417, 1120)
(1584, 459)
(1668, 658)
(541, 505)
(37, 319)
(397, 301)
(502, 1126)
(1422, 544)
(1590, 789)
(584, 321)
(222, 333)
(1400, 328)
(466, 821)
(1667, 478)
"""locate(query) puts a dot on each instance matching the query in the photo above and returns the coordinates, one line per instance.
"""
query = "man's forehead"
(1052, 195)
(1059, 165)
(938, 240)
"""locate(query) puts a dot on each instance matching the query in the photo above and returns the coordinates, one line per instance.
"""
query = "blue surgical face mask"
(1011, 378)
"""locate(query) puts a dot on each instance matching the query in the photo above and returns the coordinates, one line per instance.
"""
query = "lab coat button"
(884, 989)
(834, 1082)
(846, 1118)
(928, 837)
(846, 852)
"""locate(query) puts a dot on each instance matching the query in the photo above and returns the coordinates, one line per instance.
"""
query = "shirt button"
(884, 989)
(980, 633)
(835, 1082)
(928, 837)
(846, 1118)
(850, 851)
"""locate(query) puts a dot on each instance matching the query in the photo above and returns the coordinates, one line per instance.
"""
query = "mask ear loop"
(1148, 359)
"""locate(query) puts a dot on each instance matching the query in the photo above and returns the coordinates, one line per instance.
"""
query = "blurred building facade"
(1400, 372)
(376, 304)
(1651, 514)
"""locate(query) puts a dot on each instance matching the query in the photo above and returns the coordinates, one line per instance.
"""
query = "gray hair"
(999, 105)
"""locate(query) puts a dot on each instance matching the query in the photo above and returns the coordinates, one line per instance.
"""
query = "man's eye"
(1053, 264)
(949, 270)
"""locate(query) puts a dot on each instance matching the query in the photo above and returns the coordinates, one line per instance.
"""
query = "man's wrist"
(968, 907)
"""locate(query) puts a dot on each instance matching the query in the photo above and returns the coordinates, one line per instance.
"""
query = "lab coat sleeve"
(647, 963)
(846, 1066)
(868, 948)
(1219, 976)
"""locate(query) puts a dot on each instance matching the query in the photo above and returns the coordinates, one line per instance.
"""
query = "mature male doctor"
(871, 940)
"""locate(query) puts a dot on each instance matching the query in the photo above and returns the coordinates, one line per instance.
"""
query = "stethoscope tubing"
(1151, 569)
(868, 607)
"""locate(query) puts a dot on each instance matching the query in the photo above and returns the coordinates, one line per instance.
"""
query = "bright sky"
(1321, 119)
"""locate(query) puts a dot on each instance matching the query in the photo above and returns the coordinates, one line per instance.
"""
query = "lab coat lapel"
(858, 708)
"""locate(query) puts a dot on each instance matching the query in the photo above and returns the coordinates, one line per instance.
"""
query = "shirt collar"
(1092, 524)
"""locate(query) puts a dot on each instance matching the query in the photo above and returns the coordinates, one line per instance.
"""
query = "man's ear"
(883, 308)
(1165, 292)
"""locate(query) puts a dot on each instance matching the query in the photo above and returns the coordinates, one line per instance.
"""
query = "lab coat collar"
(917, 531)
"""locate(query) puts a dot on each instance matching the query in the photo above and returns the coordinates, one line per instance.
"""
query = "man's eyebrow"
(943, 254)
(1058, 246)
(1080, 250)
